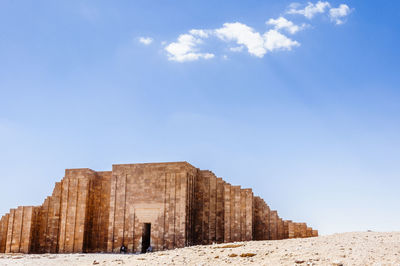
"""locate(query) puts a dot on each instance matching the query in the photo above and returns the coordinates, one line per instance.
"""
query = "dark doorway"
(146, 237)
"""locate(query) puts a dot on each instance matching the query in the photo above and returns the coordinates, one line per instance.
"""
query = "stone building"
(165, 205)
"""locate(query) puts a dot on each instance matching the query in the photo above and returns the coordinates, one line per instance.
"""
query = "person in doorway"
(149, 249)
(123, 249)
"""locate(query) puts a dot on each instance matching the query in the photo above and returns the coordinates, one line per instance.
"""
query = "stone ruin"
(165, 205)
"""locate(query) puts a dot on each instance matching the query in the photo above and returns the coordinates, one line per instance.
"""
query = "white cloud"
(145, 40)
(244, 35)
(185, 49)
(310, 10)
(237, 48)
(283, 23)
(337, 14)
(275, 40)
(256, 44)
(200, 33)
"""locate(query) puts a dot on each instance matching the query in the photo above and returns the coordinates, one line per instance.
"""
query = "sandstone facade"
(165, 205)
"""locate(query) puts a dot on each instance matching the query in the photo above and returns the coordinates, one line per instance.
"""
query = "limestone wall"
(92, 211)
(237, 214)
(3, 232)
(280, 229)
(296, 230)
(261, 219)
(19, 230)
(150, 193)
(74, 209)
(46, 223)
(273, 232)
(96, 238)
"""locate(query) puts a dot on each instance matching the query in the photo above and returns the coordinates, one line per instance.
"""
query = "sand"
(361, 248)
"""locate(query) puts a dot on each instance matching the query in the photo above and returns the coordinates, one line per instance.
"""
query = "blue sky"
(310, 120)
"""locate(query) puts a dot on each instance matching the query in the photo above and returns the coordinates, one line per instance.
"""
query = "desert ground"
(359, 248)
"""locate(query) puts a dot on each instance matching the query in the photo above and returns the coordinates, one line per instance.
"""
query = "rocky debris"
(230, 246)
(245, 255)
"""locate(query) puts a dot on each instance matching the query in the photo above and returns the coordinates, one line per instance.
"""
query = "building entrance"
(146, 237)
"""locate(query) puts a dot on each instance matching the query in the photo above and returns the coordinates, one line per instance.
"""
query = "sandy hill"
(361, 248)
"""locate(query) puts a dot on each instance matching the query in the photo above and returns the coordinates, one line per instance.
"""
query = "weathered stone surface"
(309, 232)
(19, 230)
(176, 203)
(303, 230)
(291, 229)
(3, 232)
(273, 232)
